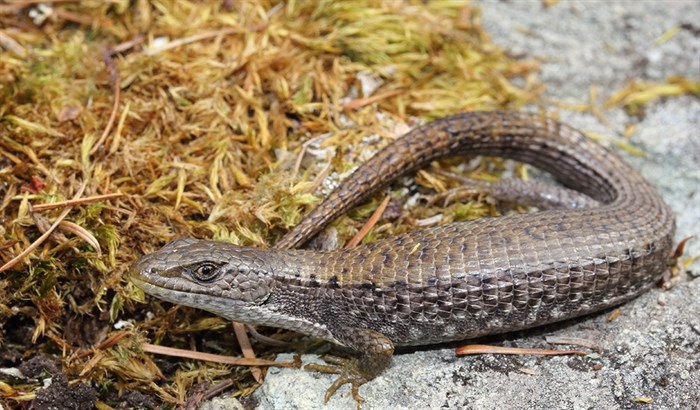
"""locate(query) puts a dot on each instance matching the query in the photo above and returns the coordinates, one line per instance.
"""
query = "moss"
(216, 104)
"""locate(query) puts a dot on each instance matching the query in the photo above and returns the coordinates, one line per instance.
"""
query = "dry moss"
(217, 102)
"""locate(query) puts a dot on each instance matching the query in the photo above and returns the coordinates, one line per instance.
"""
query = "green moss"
(216, 122)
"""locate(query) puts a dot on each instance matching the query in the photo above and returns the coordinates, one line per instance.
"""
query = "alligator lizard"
(444, 283)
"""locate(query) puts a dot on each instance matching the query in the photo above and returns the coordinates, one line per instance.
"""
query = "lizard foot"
(374, 351)
(349, 372)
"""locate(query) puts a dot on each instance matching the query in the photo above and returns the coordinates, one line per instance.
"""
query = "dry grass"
(228, 115)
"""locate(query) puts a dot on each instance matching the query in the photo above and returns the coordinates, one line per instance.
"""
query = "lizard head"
(225, 279)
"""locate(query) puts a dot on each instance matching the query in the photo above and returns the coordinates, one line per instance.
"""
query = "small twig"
(576, 341)
(370, 223)
(110, 341)
(361, 102)
(320, 177)
(196, 397)
(216, 389)
(192, 39)
(129, 44)
(46, 234)
(297, 163)
(246, 348)
(486, 349)
(10, 44)
(82, 233)
(116, 89)
(189, 354)
(62, 344)
(74, 202)
(75, 17)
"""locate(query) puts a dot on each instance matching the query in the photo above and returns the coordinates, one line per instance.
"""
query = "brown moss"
(229, 116)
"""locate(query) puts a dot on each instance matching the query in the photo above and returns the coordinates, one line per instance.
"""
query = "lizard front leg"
(373, 354)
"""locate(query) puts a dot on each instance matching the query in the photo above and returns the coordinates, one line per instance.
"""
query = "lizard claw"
(355, 382)
(349, 372)
(375, 355)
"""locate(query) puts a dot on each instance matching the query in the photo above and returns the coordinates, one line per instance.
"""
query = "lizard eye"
(205, 272)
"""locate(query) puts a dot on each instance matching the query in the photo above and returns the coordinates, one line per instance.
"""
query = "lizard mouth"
(171, 295)
(221, 306)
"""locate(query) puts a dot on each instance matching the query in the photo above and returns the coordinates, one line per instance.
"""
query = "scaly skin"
(444, 283)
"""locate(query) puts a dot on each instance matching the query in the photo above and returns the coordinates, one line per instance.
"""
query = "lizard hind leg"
(510, 190)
